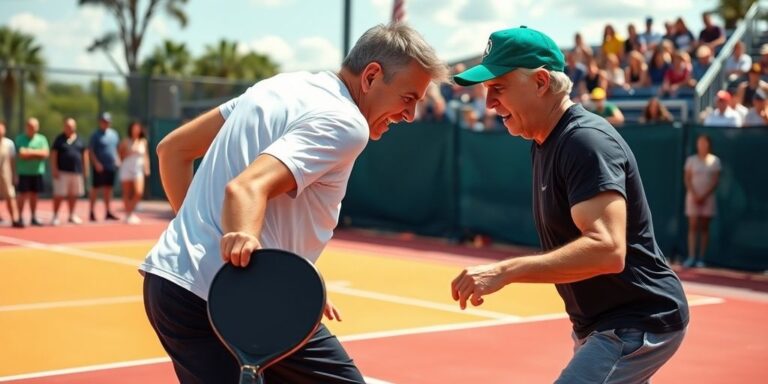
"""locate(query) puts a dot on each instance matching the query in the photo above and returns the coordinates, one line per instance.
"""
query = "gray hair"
(393, 46)
(559, 82)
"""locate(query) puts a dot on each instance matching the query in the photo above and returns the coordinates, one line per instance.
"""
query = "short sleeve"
(717, 165)
(227, 108)
(592, 162)
(11, 147)
(317, 146)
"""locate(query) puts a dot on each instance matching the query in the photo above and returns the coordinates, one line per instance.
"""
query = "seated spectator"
(576, 71)
(678, 75)
(738, 63)
(582, 52)
(601, 107)
(758, 114)
(612, 42)
(683, 38)
(652, 39)
(746, 89)
(469, 119)
(634, 41)
(433, 106)
(614, 75)
(636, 73)
(723, 115)
(712, 35)
(595, 77)
(655, 112)
(658, 66)
(701, 66)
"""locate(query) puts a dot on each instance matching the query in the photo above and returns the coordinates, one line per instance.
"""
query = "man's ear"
(543, 79)
(371, 72)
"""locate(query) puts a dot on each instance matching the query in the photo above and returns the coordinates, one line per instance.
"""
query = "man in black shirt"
(627, 306)
(68, 164)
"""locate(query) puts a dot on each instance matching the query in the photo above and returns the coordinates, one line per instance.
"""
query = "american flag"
(398, 11)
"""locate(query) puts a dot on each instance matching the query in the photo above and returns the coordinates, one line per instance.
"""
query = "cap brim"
(480, 73)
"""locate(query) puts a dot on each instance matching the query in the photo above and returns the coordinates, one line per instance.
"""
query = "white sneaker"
(74, 219)
(55, 222)
(132, 219)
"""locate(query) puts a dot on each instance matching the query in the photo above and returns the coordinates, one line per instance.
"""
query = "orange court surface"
(71, 312)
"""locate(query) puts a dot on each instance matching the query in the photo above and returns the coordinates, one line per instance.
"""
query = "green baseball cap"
(514, 48)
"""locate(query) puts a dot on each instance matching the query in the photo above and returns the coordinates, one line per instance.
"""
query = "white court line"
(71, 251)
(71, 303)
(122, 364)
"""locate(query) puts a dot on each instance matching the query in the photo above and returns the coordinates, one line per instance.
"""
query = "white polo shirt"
(307, 121)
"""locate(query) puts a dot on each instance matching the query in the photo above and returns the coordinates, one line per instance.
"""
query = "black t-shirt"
(583, 156)
(69, 155)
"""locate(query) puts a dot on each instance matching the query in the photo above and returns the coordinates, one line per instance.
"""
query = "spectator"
(470, 120)
(738, 63)
(582, 51)
(595, 77)
(636, 74)
(683, 38)
(433, 107)
(634, 41)
(134, 167)
(577, 72)
(701, 66)
(702, 172)
(712, 35)
(8, 176)
(678, 75)
(658, 66)
(723, 115)
(612, 42)
(69, 162)
(655, 112)
(745, 91)
(601, 107)
(669, 31)
(33, 150)
(652, 39)
(757, 115)
(613, 72)
(764, 59)
(103, 151)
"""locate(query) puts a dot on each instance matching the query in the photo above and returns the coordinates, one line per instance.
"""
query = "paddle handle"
(251, 374)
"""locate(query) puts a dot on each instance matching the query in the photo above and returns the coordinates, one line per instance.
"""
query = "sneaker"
(92, 217)
(110, 216)
(18, 224)
(132, 219)
(74, 219)
(35, 222)
(55, 222)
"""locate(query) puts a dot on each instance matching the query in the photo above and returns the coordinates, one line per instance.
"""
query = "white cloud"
(28, 23)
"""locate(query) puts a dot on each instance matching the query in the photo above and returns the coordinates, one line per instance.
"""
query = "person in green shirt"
(30, 166)
(609, 111)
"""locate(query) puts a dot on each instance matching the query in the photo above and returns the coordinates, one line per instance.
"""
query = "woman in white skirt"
(702, 172)
(133, 169)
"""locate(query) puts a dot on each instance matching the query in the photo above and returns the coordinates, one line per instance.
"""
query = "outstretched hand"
(475, 282)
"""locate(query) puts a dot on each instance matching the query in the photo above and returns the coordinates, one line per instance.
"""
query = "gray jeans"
(624, 355)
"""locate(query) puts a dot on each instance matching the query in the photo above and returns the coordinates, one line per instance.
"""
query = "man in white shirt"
(276, 165)
(723, 115)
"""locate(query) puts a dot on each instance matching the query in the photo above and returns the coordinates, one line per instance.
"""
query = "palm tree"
(20, 61)
(224, 60)
(168, 59)
(733, 10)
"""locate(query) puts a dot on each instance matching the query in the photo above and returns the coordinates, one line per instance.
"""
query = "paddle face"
(268, 309)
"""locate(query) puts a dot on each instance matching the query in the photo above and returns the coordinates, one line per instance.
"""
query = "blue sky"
(307, 34)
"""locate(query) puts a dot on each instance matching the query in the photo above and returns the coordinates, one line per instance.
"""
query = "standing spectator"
(582, 51)
(746, 89)
(601, 107)
(655, 112)
(612, 42)
(634, 41)
(33, 150)
(8, 176)
(723, 115)
(652, 39)
(702, 172)
(103, 151)
(69, 163)
(134, 152)
(738, 63)
(711, 35)
(757, 115)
